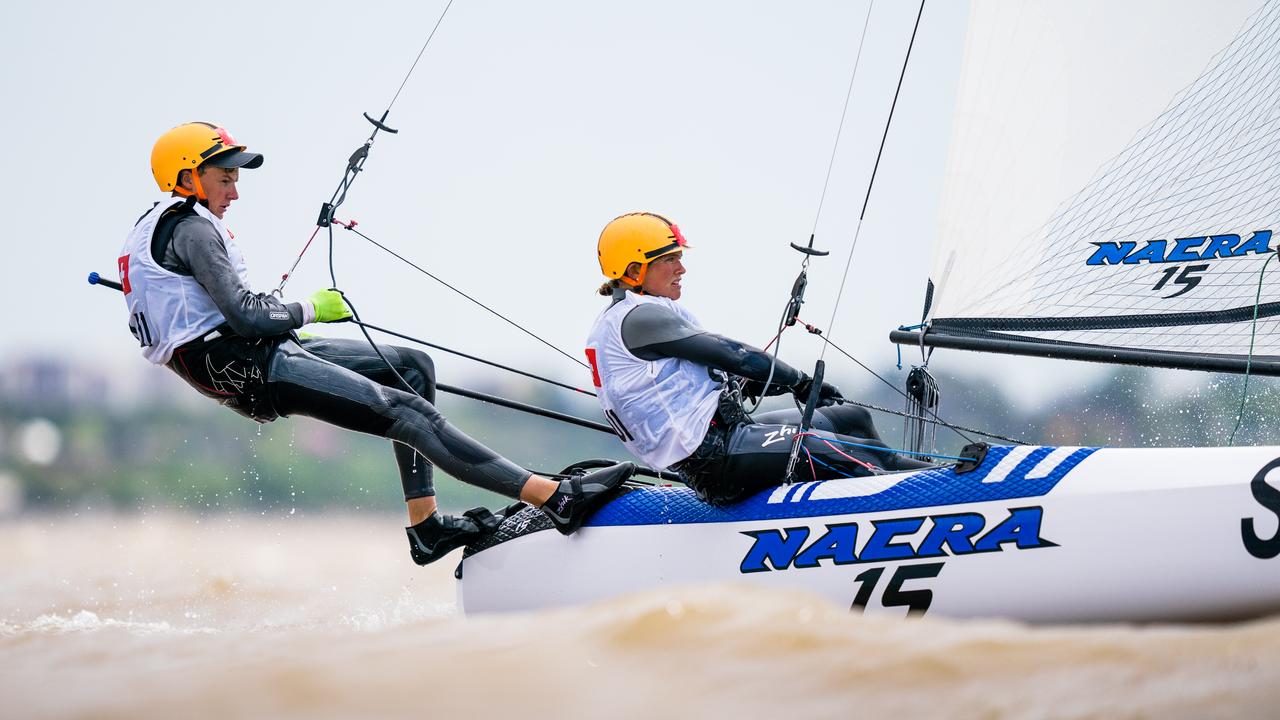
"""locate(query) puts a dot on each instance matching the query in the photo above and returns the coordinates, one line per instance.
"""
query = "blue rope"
(905, 328)
(892, 450)
(838, 471)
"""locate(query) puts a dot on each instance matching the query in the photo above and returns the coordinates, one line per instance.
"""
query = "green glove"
(329, 306)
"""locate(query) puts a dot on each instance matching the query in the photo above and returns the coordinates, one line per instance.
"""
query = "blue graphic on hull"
(1006, 473)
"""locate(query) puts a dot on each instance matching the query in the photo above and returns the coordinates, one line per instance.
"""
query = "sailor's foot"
(577, 497)
(439, 534)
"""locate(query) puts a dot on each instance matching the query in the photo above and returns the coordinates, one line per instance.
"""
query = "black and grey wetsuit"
(258, 367)
(740, 454)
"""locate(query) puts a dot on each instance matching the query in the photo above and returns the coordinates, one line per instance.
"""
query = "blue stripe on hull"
(1025, 475)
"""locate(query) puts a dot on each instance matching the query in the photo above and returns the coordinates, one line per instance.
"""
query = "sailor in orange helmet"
(672, 390)
(191, 309)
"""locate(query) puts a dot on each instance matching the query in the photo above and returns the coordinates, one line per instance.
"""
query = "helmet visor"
(235, 158)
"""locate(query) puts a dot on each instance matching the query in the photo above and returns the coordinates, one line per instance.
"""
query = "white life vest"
(661, 408)
(167, 309)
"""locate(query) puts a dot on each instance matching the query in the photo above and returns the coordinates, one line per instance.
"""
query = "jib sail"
(1075, 225)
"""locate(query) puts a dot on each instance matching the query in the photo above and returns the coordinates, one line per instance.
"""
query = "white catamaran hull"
(1039, 534)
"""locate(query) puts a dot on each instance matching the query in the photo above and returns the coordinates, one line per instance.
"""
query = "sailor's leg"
(304, 384)
(301, 383)
(419, 372)
(851, 422)
(756, 456)
(840, 419)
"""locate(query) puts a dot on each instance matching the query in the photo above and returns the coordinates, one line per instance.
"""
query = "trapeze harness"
(672, 392)
(190, 309)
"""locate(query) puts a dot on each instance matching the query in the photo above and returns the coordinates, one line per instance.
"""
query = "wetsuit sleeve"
(653, 332)
(197, 246)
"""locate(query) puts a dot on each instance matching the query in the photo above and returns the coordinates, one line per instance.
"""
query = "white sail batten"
(1112, 182)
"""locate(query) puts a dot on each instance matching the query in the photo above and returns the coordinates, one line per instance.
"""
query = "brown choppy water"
(325, 617)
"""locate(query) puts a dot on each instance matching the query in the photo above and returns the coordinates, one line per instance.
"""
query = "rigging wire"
(957, 429)
(871, 183)
(476, 358)
(853, 246)
(776, 341)
(351, 225)
(355, 164)
(419, 57)
(793, 302)
(845, 111)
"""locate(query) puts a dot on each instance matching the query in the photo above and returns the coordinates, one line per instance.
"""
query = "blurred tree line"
(175, 450)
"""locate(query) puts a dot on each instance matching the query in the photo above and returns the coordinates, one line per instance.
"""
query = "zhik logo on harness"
(229, 379)
(1201, 250)
(779, 435)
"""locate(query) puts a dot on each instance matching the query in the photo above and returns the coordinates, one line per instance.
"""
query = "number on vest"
(618, 427)
(138, 326)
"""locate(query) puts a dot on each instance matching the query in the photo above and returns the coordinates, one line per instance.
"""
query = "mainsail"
(1075, 225)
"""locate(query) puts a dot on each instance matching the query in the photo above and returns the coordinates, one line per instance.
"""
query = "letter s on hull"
(1269, 498)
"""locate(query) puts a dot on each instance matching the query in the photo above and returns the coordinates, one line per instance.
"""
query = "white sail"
(1114, 177)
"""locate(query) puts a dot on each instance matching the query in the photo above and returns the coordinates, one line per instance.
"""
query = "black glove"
(828, 394)
(753, 389)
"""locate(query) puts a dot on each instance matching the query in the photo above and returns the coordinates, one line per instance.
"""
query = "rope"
(840, 128)
(850, 458)
(838, 471)
(476, 358)
(804, 266)
(1248, 363)
(957, 429)
(415, 60)
(896, 451)
(871, 183)
(351, 225)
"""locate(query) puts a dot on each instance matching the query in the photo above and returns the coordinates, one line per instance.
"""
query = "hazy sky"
(526, 127)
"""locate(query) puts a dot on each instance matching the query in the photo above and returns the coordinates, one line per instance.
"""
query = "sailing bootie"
(439, 535)
(577, 497)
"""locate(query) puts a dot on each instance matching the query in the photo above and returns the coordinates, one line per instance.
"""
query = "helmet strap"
(198, 191)
(639, 278)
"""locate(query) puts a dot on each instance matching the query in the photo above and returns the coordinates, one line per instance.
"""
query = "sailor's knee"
(419, 369)
(859, 416)
(849, 420)
(402, 405)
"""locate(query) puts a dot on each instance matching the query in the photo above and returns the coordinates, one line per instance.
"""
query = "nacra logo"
(1189, 249)
(1199, 250)
(959, 533)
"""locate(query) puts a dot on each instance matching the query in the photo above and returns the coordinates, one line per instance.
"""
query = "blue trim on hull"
(929, 488)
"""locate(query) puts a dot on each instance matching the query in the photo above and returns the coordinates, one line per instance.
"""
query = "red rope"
(285, 277)
(813, 330)
(853, 459)
(350, 225)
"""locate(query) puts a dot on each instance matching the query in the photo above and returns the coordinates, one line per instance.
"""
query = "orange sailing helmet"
(190, 145)
(640, 237)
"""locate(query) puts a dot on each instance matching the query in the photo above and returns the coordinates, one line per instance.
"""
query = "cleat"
(439, 534)
(578, 497)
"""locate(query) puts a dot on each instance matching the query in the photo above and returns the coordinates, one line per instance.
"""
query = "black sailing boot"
(439, 534)
(577, 497)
